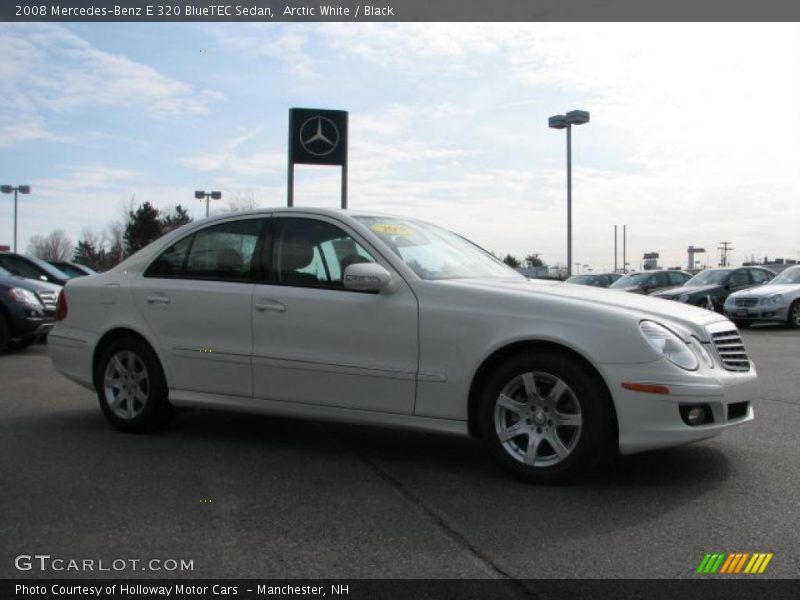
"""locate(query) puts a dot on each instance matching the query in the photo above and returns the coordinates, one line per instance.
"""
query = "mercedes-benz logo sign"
(319, 136)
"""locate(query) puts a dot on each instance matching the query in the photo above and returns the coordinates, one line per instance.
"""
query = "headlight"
(772, 300)
(669, 345)
(701, 351)
(730, 301)
(24, 297)
(683, 298)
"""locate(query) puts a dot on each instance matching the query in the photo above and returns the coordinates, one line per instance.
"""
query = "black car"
(648, 282)
(27, 310)
(709, 288)
(594, 279)
(31, 267)
(72, 269)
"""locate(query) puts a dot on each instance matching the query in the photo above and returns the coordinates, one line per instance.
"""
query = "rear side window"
(739, 278)
(223, 252)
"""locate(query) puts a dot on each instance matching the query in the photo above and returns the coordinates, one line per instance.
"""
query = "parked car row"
(744, 294)
(29, 292)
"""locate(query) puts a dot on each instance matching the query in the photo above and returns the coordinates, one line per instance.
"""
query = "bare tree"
(55, 246)
(242, 201)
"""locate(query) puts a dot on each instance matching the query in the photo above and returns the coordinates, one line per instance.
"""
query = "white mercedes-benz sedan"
(367, 318)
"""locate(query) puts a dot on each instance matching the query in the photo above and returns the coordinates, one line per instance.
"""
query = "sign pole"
(344, 185)
(290, 185)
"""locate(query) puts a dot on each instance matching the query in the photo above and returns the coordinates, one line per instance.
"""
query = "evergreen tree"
(143, 227)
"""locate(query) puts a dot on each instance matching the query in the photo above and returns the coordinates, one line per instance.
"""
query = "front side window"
(759, 276)
(677, 278)
(222, 252)
(435, 253)
(313, 253)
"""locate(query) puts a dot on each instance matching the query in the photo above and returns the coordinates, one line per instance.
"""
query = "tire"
(707, 304)
(794, 314)
(131, 387)
(742, 324)
(5, 332)
(525, 395)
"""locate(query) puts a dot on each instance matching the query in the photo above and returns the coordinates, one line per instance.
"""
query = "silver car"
(778, 300)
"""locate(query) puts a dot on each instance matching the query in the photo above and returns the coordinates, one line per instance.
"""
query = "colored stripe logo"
(734, 563)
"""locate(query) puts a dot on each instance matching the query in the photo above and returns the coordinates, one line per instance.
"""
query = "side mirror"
(366, 277)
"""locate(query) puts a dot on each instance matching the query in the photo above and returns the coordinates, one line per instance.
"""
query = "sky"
(694, 136)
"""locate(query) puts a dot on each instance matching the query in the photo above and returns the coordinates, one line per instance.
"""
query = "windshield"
(435, 253)
(787, 277)
(632, 280)
(712, 276)
(69, 270)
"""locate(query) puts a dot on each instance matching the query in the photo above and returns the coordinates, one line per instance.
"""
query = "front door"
(314, 341)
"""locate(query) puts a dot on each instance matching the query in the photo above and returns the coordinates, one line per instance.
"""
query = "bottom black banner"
(400, 589)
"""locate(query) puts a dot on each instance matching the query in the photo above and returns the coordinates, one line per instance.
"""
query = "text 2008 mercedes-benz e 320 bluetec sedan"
(368, 318)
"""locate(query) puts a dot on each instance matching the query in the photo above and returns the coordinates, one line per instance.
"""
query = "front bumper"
(648, 421)
(758, 313)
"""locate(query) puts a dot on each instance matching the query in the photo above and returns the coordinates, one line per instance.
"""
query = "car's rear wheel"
(794, 314)
(545, 417)
(131, 386)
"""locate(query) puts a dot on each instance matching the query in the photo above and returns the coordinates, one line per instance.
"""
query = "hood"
(32, 285)
(637, 306)
(762, 291)
(691, 290)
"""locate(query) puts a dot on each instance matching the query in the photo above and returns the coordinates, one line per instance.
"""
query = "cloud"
(48, 71)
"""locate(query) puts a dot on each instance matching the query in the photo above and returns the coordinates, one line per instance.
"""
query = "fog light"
(696, 414)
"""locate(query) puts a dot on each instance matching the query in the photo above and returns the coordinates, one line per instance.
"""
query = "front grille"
(731, 350)
(745, 301)
(49, 299)
(737, 410)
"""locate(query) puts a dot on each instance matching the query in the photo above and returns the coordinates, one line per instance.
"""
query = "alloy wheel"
(538, 419)
(126, 383)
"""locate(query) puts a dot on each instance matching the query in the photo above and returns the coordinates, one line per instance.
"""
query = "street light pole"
(573, 117)
(22, 189)
(200, 194)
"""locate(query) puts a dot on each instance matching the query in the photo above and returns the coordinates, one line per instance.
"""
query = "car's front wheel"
(794, 314)
(545, 417)
(131, 386)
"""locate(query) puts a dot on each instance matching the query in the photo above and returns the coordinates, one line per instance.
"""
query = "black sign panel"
(317, 136)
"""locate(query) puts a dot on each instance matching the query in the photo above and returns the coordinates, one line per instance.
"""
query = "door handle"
(158, 300)
(270, 305)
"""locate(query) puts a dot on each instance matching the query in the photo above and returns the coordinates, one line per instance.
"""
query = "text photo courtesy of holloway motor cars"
(311, 300)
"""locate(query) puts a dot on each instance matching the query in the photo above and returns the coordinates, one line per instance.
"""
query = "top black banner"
(399, 10)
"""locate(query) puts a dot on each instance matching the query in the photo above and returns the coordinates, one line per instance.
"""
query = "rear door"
(196, 298)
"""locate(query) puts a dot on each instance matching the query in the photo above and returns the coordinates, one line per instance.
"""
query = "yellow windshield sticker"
(392, 229)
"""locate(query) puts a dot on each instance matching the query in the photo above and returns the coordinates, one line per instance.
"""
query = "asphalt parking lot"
(245, 496)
